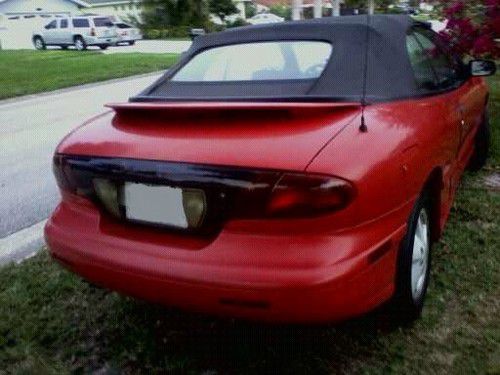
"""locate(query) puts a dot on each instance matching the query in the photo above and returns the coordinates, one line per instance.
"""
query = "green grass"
(30, 72)
(52, 322)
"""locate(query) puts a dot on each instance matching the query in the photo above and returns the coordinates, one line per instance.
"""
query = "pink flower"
(483, 45)
(455, 9)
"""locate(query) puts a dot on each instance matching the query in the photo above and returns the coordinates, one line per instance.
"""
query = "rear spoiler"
(192, 107)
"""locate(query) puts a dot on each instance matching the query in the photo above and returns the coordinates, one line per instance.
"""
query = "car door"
(64, 32)
(50, 32)
(445, 97)
(465, 100)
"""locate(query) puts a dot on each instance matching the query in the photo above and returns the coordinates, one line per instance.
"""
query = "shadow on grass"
(144, 337)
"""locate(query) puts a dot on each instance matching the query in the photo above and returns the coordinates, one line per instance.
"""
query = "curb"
(79, 87)
(23, 244)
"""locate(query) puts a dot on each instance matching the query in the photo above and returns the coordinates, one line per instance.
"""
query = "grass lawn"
(30, 72)
(52, 322)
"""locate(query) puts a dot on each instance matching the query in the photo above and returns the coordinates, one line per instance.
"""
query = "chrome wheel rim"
(420, 257)
(79, 45)
(38, 44)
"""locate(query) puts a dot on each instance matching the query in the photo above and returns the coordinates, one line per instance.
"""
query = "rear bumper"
(305, 278)
(125, 39)
(95, 41)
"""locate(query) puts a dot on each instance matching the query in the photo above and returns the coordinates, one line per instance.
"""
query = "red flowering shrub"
(473, 26)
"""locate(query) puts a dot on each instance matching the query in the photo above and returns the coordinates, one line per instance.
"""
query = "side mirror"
(482, 68)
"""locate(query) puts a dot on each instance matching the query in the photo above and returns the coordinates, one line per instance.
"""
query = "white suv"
(77, 31)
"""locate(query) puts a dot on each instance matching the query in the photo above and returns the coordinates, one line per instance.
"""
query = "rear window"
(81, 22)
(103, 22)
(284, 60)
(123, 26)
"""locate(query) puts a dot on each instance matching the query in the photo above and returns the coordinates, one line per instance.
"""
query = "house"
(299, 6)
(123, 9)
(31, 9)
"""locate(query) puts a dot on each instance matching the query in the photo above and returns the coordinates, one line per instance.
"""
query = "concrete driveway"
(152, 46)
(30, 129)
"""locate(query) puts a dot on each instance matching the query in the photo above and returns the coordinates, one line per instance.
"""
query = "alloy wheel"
(38, 43)
(79, 45)
(420, 257)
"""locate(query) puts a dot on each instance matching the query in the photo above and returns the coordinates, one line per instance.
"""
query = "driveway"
(30, 129)
(153, 46)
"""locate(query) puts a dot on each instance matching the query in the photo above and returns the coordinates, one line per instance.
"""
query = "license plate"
(154, 204)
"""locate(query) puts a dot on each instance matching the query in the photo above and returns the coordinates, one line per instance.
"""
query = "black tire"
(406, 305)
(481, 145)
(39, 43)
(64, 48)
(131, 43)
(103, 46)
(80, 44)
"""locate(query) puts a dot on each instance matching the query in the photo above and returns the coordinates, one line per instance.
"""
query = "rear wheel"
(64, 47)
(131, 43)
(414, 264)
(103, 46)
(481, 145)
(80, 44)
(39, 43)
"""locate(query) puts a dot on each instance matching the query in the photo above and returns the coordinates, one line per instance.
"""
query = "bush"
(167, 33)
(281, 11)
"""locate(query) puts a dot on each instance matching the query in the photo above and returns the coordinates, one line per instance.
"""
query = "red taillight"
(92, 32)
(229, 193)
(58, 169)
(303, 195)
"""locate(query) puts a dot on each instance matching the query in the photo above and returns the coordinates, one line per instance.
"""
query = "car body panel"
(325, 267)
(64, 36)
(127, 33)
(221, 139)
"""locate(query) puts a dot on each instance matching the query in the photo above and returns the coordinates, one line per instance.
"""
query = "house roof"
(91, 3)
(270, 3)
(78, 2)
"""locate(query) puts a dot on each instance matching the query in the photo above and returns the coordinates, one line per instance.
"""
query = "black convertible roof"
(369, 56)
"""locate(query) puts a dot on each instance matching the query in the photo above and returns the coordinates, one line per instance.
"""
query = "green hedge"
(168, 32)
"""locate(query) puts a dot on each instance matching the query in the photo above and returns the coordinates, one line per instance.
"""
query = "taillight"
(92, 32)
(211, 194)
(303, 195)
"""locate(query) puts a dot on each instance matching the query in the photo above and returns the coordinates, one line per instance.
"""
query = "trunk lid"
(258, 135)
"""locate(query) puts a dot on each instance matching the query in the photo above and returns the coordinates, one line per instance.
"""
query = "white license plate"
(154, 204)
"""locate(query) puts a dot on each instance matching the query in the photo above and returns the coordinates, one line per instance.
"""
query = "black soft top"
(369, 61)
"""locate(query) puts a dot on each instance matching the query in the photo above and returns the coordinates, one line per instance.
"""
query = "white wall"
(120, 11)
(37, 6)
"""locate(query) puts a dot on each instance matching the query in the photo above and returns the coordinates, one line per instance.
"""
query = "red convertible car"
(295, 172)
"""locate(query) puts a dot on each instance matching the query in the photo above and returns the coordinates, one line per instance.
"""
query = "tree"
(222, 8)
(158, 14)
(473, 26)
(250, 9)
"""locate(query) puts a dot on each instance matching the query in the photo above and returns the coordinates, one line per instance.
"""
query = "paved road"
(30, 129)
